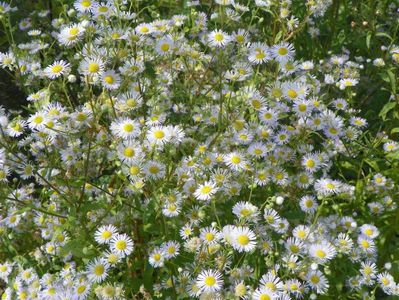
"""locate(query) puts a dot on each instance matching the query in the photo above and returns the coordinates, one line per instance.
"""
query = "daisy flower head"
(308, 204)
(241, 37)
(317, 281)
(322, 252)
(121, 244)
(326, 186)
(154, 169)
(264, 293)
(218, 38)
(105, 233)
(144, 29)
(57, 69)
(391, 146)
(125, 128)
(157, 257)
(158, 135)
(259, 53)
(164, 46)
(70, 35)
(235, 161)
(311, 162)
(209, 281)
(283, 52)
(110, 80)
(91, 66)
(209, 235)
(245, 210)
(84, 6)
(171, 249)
(97, 270)
(370, 231)
(243, 239)
(205, 191)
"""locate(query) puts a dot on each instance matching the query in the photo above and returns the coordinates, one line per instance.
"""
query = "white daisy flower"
(97, 270)
(243, 239)
(104, 234)
(125, 128)
(121, 244)
(57, 69)
(209, 281)
(322, 252)
(205, 191)
(164, 46)
(157, 257)
(283, 52)
(218, 38)
(110, 80)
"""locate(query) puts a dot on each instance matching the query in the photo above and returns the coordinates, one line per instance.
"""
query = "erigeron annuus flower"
(235, 160)
(110, 80)
(121, 244)
(243, 239)
(70, 35)
(209, 235)
(370, 231)
(218, 38)
(308, 204)
(92, 66)
(245, 210)
(259, 53)
(205, 191)
(322, 252)
(282, 52)
(97, 270)
(104, 234)
(157, 257)
(85, 6)
(171, 249)
(209, 281)
(125, 128)
(57, 69)
(158, 135)
(154, 169)
(326, 186)
(165, 46)
(264, 293)
(317, 281)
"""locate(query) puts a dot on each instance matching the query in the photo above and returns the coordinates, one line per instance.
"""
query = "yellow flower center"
(121, 245)
(56, 69)
(264, 297)
(86, 3)
(74, 31)
(219, 37)
(157, 257)
(235, 160)
(98, 270)
(128, 127)
(128, 152)
(109, 79)
(282, 51)
(315, 279)
(210, 281)
(209, 236)
(159, 134)
(243, 240)
(292, 93)
(165, 47)
(320, 253)
(94, 67)
(106, 234)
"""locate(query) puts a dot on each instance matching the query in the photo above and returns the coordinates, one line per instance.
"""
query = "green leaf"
(395, 130)
(373, 164)
(384, 35)
(392, 79)
(386, 108)
(368, 38)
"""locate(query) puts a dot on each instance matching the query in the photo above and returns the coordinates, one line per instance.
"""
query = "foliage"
(213, 150)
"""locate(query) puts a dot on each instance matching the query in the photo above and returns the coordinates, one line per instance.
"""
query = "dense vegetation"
(199, 149)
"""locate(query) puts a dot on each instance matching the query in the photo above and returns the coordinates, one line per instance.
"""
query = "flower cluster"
(217, 152)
